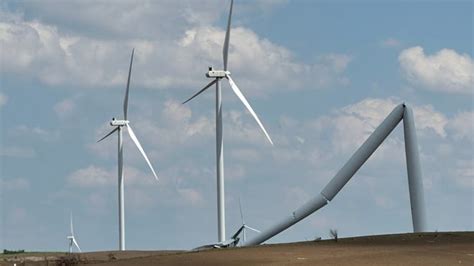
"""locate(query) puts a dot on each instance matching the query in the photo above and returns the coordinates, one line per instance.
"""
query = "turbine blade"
(140, 148)
(246, 103)
(125, 101)
(203, 89)
(241, 213)
(72, 227)
(253, 229)
(236, 234)
(110, 133)
(77, 245)
(225, 51)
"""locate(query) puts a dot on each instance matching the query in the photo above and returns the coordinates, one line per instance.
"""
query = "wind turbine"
(217, 75)
(244, 225)
(72, 239)
(118, 124)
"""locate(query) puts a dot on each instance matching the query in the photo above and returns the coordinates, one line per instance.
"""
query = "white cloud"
(138, 19)
(3, 99)
(426, 118)
(177, 126)
(353, 124)
(173, 59)
(462, 126)
(91, 176)
(445, 71)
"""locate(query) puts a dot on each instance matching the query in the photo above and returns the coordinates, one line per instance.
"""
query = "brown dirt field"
(453, 248)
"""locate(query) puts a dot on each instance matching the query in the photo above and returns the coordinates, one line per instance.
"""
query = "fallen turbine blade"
(140, 148)
(125, 100)
(246, 103)
(77, 245)
(110, 133)
(253, 229)
(225, 51)
(203, 89)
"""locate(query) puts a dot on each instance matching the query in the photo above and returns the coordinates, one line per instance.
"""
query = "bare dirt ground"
(447, 248)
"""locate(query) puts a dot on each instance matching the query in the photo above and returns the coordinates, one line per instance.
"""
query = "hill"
(440, 248)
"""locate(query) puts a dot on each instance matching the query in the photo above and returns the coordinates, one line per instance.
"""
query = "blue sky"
(321, 76)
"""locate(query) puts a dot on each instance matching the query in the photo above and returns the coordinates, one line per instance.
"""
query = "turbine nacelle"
(118, 123)
(217, 73)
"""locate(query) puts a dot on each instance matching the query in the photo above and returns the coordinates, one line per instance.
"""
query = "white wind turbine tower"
(71, 238)
(118, 124)
(217, 75)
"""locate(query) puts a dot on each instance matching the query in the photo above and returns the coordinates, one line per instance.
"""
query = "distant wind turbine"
(72, 238)
(244, 226)
(118, 124)
(217, 75)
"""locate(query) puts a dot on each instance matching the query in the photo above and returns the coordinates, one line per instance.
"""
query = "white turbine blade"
(110, 133)
(199, 92)
(246, 103)
(139, 146)
(77, 245)
(253, 229)
(125, 100)
(225, 51)
(241, 213)
(72, 227)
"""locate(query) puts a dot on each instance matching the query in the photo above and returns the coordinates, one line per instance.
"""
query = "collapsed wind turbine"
(71, 238)
(118, 124)
(361, 155)
(217, 75)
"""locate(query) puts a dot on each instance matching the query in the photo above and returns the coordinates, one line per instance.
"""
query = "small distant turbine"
(244, 226)
(72, 239)
(118, 124)
(217, 75)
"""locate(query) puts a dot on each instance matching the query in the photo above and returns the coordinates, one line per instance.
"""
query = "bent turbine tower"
(415, 182)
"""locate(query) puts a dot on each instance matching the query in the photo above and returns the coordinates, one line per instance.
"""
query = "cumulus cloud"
(462, 126)
(90, 177)
(59, 57)
(445, 71)
(354, 123)
(177, 126)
